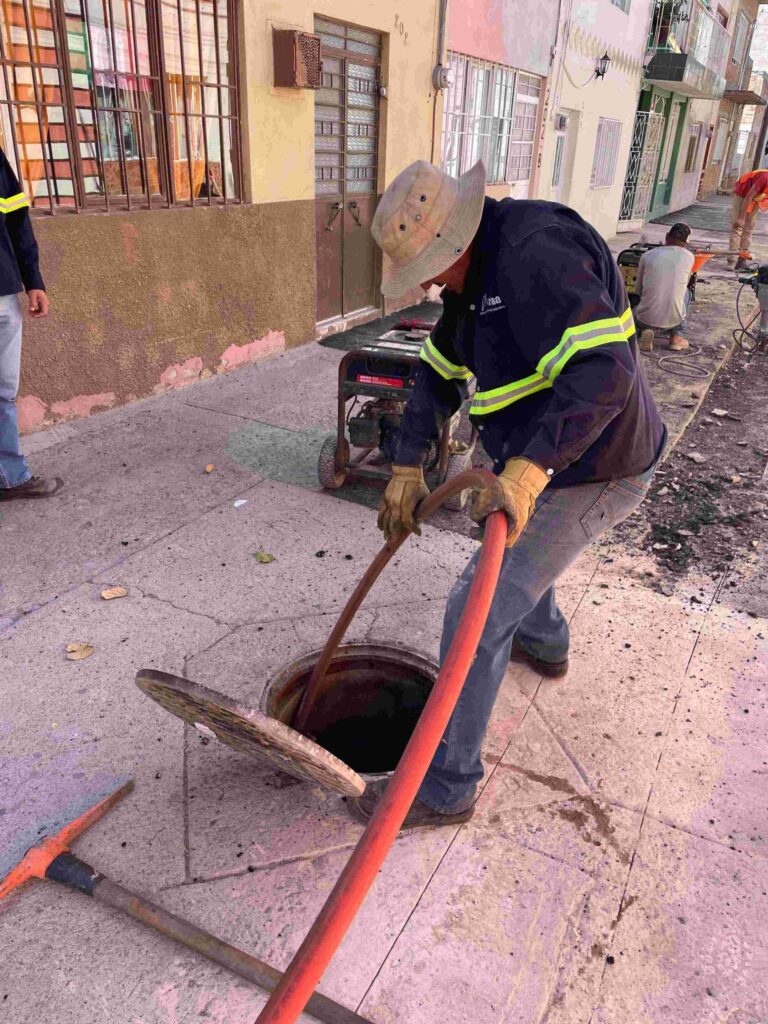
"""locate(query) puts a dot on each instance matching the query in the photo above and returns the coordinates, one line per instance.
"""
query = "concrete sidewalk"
(616, 871)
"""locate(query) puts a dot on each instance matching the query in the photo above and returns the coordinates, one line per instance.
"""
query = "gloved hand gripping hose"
(308, 965)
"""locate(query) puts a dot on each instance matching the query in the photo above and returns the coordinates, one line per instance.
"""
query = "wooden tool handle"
(70, 871)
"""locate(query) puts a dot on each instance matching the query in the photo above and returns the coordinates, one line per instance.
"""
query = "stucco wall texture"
(146, 301)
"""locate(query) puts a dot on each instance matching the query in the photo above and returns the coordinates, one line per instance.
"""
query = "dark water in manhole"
(369, 704)
(374, 739)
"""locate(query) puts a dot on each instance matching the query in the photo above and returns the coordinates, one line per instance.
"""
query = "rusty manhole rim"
(405, 657)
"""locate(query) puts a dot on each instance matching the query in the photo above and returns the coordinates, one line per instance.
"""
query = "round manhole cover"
(249, 731)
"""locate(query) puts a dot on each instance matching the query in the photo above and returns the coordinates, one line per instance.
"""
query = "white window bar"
(606, 153)
(490, 115)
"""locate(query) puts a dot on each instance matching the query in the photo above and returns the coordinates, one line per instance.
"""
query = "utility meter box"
(297, 59)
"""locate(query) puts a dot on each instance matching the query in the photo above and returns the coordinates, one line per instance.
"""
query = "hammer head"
(39, 821)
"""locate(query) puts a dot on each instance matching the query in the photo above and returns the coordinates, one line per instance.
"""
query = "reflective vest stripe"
(491, 401)
(17, 202)
(447, 370)
(598, 332)
(575, 339)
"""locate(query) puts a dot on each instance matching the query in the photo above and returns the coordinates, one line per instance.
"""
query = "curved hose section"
(308, 965)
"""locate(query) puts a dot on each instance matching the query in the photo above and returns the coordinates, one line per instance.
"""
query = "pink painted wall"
(514, 32)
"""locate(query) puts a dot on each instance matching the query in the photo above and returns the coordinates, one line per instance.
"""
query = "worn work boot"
(35, 487)
(645, 341)
(677, 343)
(419, 816)
(550, 669)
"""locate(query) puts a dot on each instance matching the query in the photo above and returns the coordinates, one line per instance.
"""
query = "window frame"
(623, 5)
(480, 115)
(163, 117)
(740, 42)
(606, 150)
(692, 152)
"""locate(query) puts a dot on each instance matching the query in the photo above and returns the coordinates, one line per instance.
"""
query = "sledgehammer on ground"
(41, 850)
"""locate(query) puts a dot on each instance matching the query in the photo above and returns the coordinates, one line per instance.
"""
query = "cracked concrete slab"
(488, 933)
(269, 911)
(125, 488)
(677, 956)
(628, 656)
(537, 798)
(296, 390)
(88, 717)
(223, 579)
(712, 774)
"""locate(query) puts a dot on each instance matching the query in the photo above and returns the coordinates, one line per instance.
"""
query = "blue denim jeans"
(13, 466)
(565, 522)
(681, 329)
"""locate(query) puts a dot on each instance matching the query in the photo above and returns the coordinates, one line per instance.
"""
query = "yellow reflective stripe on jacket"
(448, 370)
(17, 202)
(575, 339)
(484, 402)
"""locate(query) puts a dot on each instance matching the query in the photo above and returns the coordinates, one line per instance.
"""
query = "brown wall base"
(143, 302)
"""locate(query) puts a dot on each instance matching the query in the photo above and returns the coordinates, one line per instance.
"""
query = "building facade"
(500, 59)
(590, 117)
(193, 215)
(726, 152)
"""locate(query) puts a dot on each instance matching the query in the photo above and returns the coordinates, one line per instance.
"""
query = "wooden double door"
(346, 162)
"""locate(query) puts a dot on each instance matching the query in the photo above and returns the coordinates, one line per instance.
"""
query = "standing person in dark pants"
(536, 310)
(19, 271)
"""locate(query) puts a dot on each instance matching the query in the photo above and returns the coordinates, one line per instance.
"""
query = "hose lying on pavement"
(324, 937)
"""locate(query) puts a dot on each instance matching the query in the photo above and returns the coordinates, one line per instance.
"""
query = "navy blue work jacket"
(19, 270)
(545, 327)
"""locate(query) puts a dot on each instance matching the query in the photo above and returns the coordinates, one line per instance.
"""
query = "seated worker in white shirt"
(662, 284)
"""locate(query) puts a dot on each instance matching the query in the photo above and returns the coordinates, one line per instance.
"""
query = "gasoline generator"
(629, 260)
(374, 384)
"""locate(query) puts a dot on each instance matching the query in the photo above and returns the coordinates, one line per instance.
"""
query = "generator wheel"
(330, 478)
(457, 464)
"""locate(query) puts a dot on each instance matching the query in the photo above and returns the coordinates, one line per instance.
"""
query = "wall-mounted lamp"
(602, 66)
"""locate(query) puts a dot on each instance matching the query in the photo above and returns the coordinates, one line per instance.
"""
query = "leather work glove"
(515, 491)
(404, 491)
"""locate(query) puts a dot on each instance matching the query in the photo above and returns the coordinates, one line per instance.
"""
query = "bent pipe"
(324, 937)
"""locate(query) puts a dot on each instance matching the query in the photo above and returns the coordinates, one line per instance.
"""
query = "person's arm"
(19, 227)
(576, 339)
(441, 387)
(748, 198)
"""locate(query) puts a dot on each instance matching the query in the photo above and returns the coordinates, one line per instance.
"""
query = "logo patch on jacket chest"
(491, 304)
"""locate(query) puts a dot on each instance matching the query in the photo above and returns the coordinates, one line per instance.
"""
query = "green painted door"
(674, 109)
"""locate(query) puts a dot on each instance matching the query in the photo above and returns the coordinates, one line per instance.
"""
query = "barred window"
(121, 104)
(490, 115)
(694, 138)
(606, 153)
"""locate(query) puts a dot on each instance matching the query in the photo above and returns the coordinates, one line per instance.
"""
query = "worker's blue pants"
(13, 466)
(565, 522)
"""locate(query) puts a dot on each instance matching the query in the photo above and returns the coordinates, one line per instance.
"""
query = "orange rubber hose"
(324, 937)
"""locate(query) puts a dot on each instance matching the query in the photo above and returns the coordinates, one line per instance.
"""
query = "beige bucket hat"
(425, 221)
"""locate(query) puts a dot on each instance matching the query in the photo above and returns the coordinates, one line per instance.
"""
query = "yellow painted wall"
(278, 124)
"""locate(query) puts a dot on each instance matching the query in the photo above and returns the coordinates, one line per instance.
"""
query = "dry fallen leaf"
(210, 467)
(720, 412)
(78, 651)
(263, 557)
(113, 592)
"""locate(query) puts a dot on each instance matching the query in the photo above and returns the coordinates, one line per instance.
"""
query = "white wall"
(596, 27)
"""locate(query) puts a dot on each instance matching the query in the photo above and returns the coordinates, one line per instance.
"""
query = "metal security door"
(647, 134)
(346, 157)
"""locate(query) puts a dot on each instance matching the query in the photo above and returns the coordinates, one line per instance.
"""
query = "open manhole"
(362, 720)
(369, 704)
